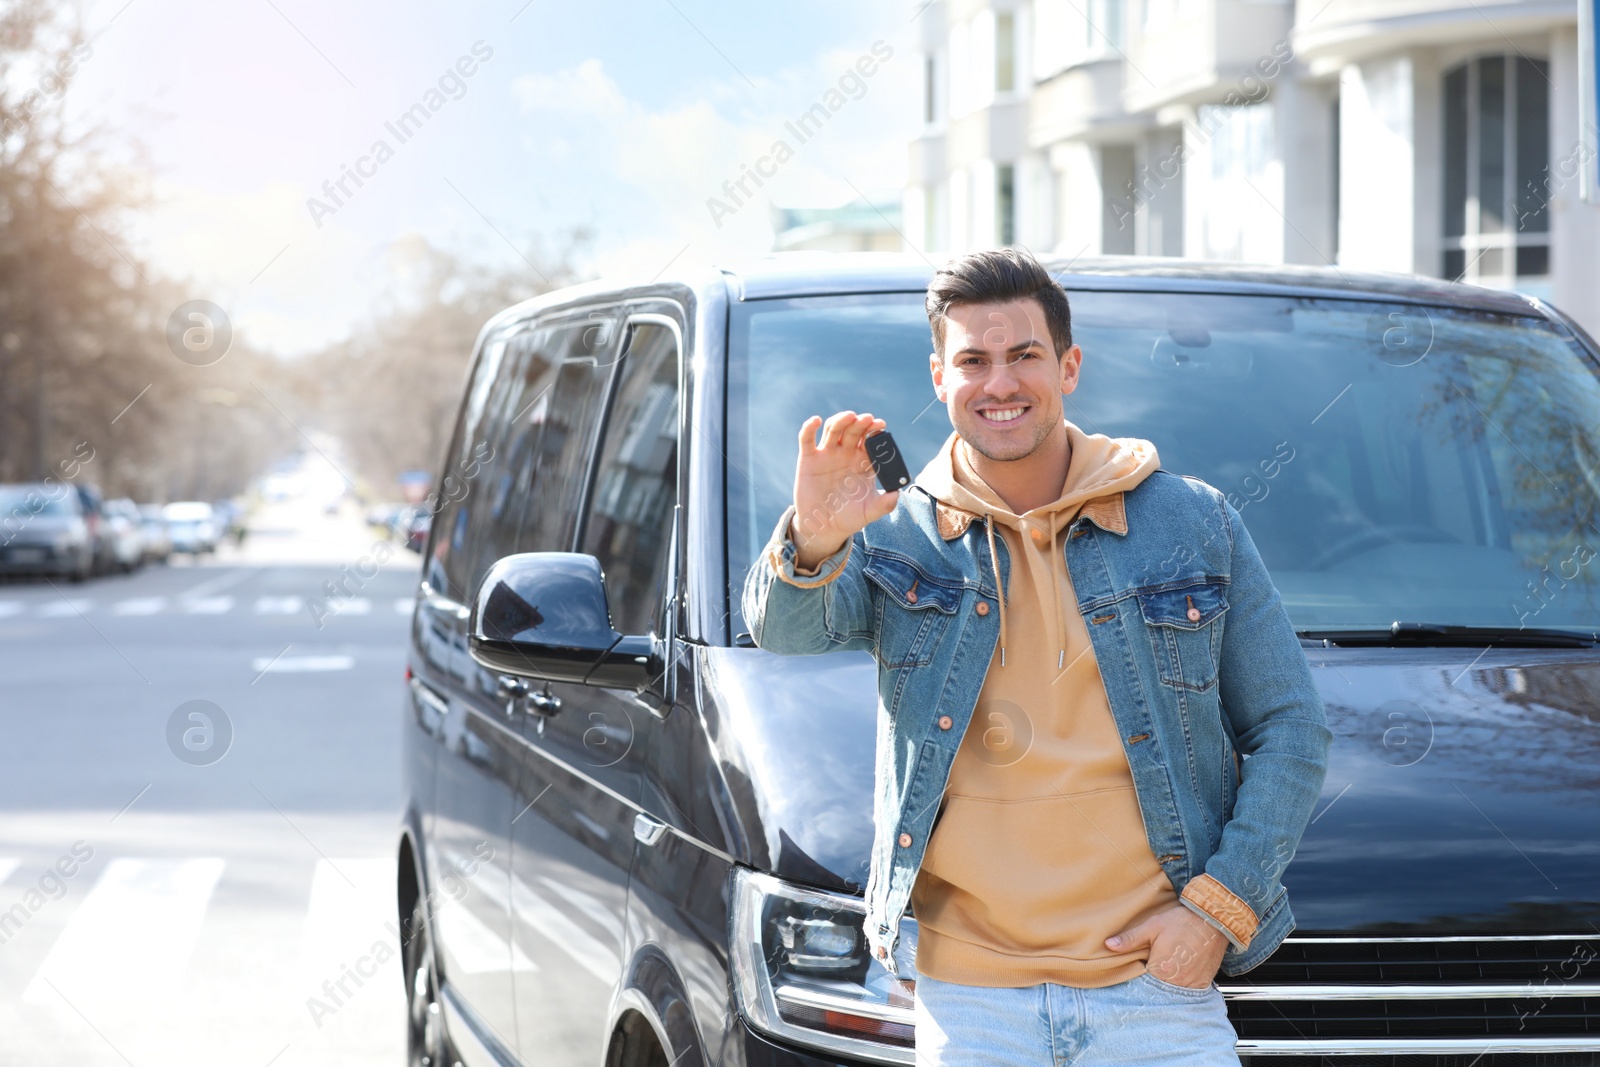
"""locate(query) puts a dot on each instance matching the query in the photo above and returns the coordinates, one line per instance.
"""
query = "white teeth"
(1003, 415)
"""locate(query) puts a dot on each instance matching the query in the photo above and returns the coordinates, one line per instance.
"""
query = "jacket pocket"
(913, 609)
(1185, 628)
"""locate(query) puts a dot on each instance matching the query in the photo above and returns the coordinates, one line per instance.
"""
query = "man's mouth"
(1003, 416)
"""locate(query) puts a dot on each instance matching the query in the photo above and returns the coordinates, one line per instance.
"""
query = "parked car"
(125, 530)
(157, 539)
(416, 529)
(399, 520)
(44, 530)
(192, 526)
(383, 515)
(102, 538)
(629, 836)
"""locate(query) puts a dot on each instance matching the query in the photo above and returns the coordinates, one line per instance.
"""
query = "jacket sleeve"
(791, 612)
(1277, 716)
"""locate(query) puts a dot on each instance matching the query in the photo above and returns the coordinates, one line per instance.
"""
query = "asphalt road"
(175, 889)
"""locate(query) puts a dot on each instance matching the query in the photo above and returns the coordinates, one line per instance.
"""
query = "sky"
(529, 119)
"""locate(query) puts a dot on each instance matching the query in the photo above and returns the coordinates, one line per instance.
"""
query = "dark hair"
(998, 276)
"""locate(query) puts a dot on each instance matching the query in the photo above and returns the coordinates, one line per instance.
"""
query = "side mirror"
(544, 615)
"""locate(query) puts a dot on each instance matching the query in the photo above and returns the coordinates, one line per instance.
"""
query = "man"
(1073, 646)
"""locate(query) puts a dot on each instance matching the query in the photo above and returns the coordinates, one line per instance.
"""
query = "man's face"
(1000, 377)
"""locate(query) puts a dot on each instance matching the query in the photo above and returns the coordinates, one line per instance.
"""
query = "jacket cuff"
(1220, 907)
(781, 552)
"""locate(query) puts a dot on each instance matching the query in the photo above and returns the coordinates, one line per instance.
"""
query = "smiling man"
(1074, 646)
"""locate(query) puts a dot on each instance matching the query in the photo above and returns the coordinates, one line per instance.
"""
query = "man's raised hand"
(835, 490)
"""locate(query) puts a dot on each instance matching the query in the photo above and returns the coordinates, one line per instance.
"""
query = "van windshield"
(1391, 461)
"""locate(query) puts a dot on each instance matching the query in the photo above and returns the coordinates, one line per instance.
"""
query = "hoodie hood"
(1099, 467)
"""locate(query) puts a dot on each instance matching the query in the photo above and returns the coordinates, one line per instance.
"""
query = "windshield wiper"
(1440, 635)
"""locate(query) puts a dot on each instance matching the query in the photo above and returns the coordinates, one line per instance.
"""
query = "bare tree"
(390, 392)
(84, 358)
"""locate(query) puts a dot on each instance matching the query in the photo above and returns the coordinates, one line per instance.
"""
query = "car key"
(886, 461)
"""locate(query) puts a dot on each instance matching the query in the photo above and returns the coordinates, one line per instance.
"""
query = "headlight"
(802, 972)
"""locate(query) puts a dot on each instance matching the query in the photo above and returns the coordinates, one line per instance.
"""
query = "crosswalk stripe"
(351, 912)
(139, 605)
(301, 664)
(131, 937)
(56, 609)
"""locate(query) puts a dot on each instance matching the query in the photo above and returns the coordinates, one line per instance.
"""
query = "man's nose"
(1002, 376)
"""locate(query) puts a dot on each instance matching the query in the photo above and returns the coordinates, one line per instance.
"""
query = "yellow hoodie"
(1039, 853)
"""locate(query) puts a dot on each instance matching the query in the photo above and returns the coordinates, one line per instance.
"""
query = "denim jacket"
(1197, 654)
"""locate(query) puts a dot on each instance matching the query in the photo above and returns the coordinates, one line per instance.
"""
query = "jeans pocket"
(1181, 990)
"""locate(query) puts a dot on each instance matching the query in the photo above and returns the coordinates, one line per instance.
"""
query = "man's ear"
(1071, 362)
(936, 370)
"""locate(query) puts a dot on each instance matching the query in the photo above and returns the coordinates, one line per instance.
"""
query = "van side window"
(545, 406)
(446, 568)
(567, 419)
(636, 482)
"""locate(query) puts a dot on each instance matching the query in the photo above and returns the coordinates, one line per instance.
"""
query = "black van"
(631, 838)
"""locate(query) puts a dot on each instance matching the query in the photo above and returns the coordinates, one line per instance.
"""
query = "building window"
(1005, 52)
(1005, 203)
(1117, 201)
(930, 86)
(1102, 27)
(1496, 165)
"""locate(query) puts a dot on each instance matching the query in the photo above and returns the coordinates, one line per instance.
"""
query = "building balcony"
(1204, 51)
(1082, 103)
(1330, 34)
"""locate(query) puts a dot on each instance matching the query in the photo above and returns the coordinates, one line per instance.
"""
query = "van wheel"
(426, 1045)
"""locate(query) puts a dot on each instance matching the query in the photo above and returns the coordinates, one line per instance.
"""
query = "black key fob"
(886, 461)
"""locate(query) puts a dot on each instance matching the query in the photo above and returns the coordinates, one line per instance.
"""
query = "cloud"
(673, 159)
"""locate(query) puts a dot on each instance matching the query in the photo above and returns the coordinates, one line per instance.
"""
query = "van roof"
(806, 273)
(813, 273)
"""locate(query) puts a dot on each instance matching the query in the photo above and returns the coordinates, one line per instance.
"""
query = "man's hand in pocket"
(1184, 949)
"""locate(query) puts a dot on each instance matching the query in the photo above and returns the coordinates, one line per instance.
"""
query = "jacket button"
(944, 722)
(905, 840)
(1194, 614)
(982, 608)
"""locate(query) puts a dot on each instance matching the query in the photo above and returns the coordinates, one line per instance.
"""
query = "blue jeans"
(1141, 1021)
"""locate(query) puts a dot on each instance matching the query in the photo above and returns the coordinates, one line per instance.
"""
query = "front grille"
(1441, 1017)
(1421, 1002)
(1373, 961)
(1477, 1059)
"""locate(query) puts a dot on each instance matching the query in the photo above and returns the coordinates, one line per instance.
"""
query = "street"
(216, 884)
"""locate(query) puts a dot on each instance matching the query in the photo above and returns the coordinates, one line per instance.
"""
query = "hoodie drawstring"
(999, 586)
(1061, 619)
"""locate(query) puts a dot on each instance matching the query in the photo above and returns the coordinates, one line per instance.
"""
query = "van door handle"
(647, 830)
(544, 702)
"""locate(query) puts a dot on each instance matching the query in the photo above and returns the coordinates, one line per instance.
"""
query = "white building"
(1423, 136)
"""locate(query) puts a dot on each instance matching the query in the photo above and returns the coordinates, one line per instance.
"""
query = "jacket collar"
(1106, 512)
